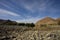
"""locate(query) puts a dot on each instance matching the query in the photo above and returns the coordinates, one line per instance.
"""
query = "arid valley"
(10, 30)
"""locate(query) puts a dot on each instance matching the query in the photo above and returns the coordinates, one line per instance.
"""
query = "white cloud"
(29, 20)
(2, 11)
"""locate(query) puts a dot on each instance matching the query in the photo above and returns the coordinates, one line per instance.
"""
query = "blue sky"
(29, 10)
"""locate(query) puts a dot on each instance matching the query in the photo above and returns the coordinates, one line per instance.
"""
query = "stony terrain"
(22, 33)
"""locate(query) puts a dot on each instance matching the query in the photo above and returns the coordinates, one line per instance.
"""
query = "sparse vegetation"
(58, 22)
(21, 24)
(27, 24)
(30, 24)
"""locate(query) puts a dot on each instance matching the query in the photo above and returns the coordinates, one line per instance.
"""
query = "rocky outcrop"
(39, 35)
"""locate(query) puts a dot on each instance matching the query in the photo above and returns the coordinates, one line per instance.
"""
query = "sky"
(29, 10)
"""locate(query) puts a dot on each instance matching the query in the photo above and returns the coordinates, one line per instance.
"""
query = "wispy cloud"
(1, 3)
(30, 10)
(41, 5)
(38, 6)
(2, 11)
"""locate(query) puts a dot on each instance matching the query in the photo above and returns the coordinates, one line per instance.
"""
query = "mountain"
(45, 20)
(8, 22)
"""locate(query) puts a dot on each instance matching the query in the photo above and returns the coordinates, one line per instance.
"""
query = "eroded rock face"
(32, 35)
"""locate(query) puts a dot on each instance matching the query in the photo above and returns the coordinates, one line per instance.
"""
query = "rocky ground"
(8, 33)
